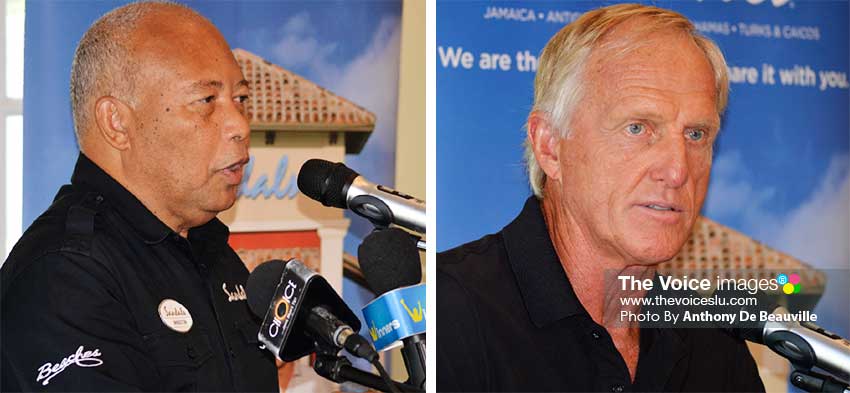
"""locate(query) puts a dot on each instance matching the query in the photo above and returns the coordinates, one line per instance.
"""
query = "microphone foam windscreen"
(389, 259)
(262, 283)
(325, 181)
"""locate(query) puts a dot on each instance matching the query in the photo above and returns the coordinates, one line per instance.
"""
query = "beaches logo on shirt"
(80, 358)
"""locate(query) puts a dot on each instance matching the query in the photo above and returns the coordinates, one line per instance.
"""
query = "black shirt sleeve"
(65, 329)
(461, 366)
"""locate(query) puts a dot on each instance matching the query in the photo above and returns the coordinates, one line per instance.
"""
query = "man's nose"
(671, 165)
(236, 127)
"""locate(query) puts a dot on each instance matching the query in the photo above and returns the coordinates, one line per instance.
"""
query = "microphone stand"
(339, 369)
(811, 381)
(803, 359)
(413, 353)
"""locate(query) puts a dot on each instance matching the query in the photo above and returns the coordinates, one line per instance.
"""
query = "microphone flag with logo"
(390, 263)
(396, 315)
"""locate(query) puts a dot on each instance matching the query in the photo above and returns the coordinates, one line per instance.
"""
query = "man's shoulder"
(66, 232)
(476, 265)
(477, 275)
(473, 256)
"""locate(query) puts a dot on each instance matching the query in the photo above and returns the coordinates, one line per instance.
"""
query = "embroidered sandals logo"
(236, 295)
(790, 283)
(83, 359)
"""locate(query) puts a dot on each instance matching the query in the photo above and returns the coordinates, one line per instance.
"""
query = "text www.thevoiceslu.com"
(659, 300)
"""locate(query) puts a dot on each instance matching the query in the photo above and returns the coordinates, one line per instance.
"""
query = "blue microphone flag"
(396, 315)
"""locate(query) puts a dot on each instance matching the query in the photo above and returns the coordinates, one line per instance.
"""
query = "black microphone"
(336, 185)
(805, 344)
(389, 260)
(301, 312)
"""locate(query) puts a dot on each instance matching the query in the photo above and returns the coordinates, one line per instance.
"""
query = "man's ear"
(544, 142)
(114, 120)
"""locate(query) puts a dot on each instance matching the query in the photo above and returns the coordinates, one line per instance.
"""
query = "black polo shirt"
(99, 295)
(508, 320)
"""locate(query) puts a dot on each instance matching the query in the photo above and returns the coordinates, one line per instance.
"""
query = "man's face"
(190, 139)
(635, 168)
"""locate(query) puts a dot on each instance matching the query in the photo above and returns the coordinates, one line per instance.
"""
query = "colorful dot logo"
(790, 283)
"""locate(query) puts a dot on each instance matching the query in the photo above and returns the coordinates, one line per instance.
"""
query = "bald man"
(127, 283)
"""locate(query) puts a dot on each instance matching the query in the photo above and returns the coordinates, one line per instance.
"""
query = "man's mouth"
(236, 166)
(662, 207)
(233, 173)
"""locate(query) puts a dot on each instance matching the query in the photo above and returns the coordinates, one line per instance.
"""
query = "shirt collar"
(545, 287)
(88, 175)
(549, 296)
(211, 238)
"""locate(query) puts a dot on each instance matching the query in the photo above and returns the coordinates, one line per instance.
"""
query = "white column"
(331, 237)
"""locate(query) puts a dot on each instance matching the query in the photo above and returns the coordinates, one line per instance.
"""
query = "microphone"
(390, 263)
(301, 312)
(805, 344)
(336, 185)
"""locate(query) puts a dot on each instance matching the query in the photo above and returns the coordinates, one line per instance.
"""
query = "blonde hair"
(558, 85)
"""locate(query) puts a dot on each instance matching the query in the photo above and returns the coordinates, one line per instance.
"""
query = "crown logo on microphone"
(373, 331)
(416, 314)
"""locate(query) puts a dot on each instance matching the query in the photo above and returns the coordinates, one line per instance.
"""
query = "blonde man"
(627, 106)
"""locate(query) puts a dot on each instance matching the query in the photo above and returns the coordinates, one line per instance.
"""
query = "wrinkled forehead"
(669, 55)
(171, 45)
(638, 35)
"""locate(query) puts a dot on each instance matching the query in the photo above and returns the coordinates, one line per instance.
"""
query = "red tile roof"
(284, 101)
(716, 249)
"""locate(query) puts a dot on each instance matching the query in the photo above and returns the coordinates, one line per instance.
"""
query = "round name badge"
(175, 315)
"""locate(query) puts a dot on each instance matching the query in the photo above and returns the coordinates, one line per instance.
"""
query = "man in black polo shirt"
(626, 109)
(127, 283)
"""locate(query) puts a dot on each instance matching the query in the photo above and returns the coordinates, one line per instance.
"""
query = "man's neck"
(149, 198)
(592, 272)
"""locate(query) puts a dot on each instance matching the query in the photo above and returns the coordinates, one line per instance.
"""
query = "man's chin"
(655, 252)
(221, 204)
(227, 205)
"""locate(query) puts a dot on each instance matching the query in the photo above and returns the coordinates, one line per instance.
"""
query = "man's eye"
(695, 135)
(207, 100)
(635, 128)
(242, 99)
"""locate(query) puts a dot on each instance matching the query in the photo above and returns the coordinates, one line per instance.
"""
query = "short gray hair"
(558, 83)
(103, 63)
